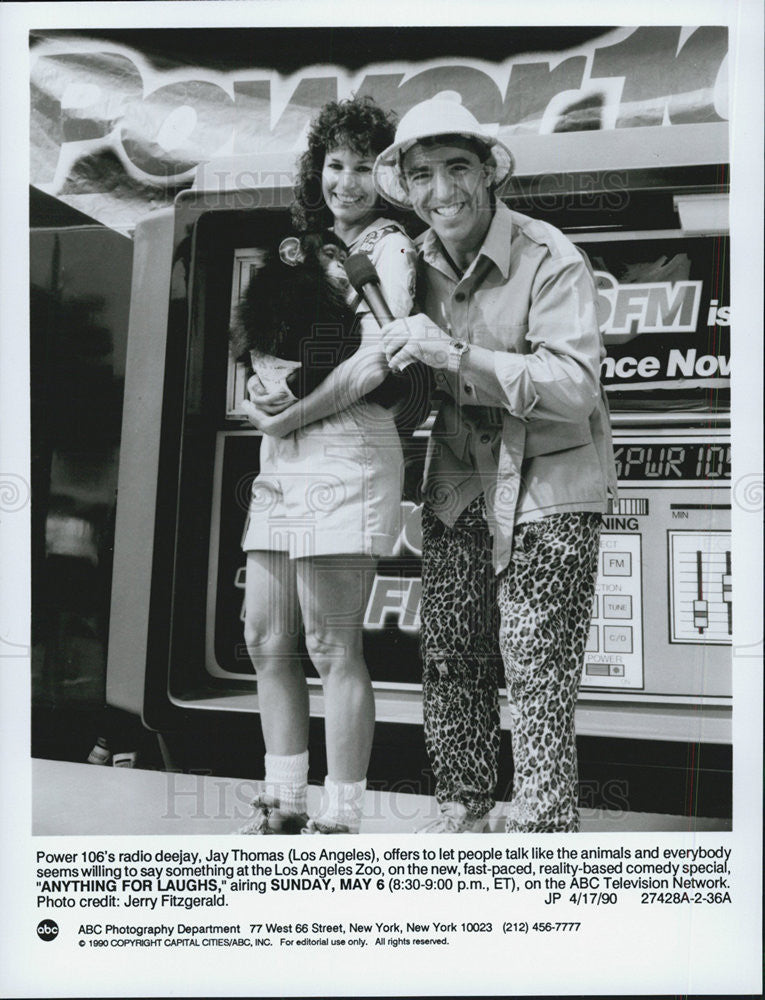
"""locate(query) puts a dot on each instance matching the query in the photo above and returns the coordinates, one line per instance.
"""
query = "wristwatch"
(457, 351)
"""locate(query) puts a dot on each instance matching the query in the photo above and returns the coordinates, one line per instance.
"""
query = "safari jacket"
(543, 445)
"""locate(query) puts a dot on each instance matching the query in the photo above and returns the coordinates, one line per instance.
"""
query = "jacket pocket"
(542, 438)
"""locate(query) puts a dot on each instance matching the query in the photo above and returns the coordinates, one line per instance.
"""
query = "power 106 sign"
(116, 135)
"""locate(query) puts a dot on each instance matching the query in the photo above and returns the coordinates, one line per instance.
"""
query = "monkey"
(294, 324)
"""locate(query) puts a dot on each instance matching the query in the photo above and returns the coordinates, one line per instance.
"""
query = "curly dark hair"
(357, 124)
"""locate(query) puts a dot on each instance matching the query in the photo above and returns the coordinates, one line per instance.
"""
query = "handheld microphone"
(363, 275)
(365, 280)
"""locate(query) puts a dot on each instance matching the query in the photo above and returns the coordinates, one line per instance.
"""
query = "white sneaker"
(455, 818)
(270, 819)
(324, 827)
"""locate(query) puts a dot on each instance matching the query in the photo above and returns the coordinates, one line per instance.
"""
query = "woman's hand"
(274, 425)
(415, 338)
(270, 401)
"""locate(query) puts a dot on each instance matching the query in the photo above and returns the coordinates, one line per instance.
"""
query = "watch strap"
(457, 351)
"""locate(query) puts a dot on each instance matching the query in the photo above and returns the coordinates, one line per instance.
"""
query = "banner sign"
(116, 137)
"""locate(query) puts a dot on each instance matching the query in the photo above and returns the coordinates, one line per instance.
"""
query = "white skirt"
(333, 487)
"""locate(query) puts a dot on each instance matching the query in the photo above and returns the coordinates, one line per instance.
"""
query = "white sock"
(287, 780)
(343, 803)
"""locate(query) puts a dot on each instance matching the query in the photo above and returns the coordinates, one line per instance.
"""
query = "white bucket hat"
(437, 116)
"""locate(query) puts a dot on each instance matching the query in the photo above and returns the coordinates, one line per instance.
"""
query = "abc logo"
(47, 930)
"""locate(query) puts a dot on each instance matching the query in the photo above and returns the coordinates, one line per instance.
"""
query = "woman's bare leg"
(333, 592)
(272, 618)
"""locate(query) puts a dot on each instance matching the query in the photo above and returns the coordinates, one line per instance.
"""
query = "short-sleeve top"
(391, 252)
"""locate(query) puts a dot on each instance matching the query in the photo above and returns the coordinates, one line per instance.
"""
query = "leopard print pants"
(533, 618)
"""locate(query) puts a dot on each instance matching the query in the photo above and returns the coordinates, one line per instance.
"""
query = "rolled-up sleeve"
(558, 379)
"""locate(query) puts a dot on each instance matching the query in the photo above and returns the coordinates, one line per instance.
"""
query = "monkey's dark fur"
(296, 313)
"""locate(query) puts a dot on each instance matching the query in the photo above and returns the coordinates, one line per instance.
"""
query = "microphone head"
(360, 271)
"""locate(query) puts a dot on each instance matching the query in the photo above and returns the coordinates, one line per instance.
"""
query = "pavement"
(82, 799)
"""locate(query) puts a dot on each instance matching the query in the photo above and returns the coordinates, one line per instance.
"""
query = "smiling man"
(518, 474)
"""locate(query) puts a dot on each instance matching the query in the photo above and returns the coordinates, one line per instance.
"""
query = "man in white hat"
(518, 474)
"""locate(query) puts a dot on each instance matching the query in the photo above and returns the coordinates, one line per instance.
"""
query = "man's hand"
(270, 401)
(415, 338)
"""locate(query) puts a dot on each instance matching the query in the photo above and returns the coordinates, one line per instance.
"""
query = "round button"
(460, 296)
(469, 390)
(485, 438)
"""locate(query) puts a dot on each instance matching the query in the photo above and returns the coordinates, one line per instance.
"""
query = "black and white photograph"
(377, 467)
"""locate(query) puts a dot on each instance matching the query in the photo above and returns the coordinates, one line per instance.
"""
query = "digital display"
(673, 461)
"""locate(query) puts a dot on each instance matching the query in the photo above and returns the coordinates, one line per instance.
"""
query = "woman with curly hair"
(325, 506)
